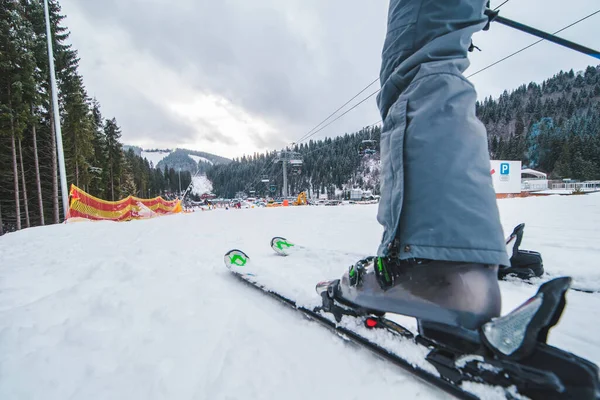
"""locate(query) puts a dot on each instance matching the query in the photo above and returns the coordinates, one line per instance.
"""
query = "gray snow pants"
(437, 196)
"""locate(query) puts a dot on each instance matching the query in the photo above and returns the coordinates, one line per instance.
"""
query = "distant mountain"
(184, 159)
(136, 150)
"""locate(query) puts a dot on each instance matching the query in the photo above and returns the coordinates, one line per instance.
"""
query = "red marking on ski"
(371, 323)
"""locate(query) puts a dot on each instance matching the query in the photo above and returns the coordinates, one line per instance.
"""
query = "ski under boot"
(510, 351)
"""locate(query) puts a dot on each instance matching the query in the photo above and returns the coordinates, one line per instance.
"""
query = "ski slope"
(201, 185)
(146, 310)
(197, 159)
(154, 156)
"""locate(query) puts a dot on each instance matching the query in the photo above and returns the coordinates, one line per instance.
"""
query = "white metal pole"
(59, 143)
(180, 181)
(285, 183)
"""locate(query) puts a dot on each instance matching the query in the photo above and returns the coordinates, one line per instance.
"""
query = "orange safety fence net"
(84, 205)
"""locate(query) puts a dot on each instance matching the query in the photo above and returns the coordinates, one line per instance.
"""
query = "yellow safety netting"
(84, 205)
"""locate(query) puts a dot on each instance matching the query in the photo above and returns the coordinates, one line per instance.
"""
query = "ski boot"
(456, 306)
(524, 264)
(450, 293)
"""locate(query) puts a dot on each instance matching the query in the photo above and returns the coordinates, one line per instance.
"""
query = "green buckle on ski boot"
(356, 271)
(384, 276)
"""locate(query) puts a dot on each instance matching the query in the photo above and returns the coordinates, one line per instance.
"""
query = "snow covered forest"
(327, 164)
(553, 127)
(94, 157)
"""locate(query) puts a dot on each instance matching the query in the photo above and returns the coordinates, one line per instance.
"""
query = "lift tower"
(294, 159)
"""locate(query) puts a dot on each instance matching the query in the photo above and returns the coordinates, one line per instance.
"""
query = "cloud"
(241, 76)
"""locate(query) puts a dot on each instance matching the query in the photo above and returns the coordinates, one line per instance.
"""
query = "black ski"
(322, 318)
(456, 360)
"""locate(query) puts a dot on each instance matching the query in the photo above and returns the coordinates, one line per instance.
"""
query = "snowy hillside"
(181, 158)
(201, 184)
(198, 159)
(145, 309)
(154, 156)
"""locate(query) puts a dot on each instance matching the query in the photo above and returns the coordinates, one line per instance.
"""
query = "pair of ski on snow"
(508, 354)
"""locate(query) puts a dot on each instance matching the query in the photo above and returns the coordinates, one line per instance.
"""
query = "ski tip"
(281, 245)
(235, 258)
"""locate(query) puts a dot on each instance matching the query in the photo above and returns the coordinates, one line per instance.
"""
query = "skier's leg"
(437, 194)
(442, 238)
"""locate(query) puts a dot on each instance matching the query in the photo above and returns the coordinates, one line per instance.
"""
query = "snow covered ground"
(146, 310)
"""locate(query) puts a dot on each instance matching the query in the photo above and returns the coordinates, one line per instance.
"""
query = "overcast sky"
(232, 77)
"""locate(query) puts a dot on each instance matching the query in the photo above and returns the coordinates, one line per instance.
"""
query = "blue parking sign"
(504, 169)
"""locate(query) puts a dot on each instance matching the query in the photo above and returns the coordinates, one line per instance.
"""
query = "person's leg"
(437, 197)
(442, 241)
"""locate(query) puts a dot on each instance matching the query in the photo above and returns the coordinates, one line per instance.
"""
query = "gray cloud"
(293, 62)
(253, 53)
(211, 133)
(289, 66)
(150, 120)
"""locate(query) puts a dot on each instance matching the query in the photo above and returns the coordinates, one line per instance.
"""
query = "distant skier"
(442, 241)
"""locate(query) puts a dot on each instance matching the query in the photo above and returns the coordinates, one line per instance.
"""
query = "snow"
(146, 310)
(565, 191)
(154, 156)
(197, 159)
(201, 185)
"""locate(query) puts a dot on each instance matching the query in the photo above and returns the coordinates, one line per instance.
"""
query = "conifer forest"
(553, 126)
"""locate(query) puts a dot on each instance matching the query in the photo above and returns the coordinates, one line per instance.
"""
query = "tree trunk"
(55, 214)
(38, 181)
(24, 186)
(76, 164)
(16, 177)
(112, 186)
(14, 162)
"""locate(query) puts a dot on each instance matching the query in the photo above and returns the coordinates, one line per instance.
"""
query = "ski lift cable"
(302, 138)
(533, 44)
(504, 21)
(573, 46)
(477, 72)
(259, 176)
(341, 115)
(332, 143)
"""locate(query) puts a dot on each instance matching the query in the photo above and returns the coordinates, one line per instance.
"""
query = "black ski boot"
(524, 264)
(456, 306)
(452, 293)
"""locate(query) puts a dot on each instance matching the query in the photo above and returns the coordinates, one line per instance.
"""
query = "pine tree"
(98, 168)
(114, 152)
(16, 70)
